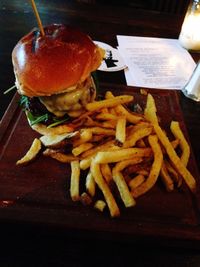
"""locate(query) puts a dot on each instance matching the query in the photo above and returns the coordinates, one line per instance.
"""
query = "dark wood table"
(25, 245)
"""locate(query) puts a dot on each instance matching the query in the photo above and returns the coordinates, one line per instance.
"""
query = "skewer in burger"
(54, 75)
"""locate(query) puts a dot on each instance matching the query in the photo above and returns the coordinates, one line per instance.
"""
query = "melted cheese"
(71, 101)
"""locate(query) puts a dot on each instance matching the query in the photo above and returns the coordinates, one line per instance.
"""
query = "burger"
(54, 75)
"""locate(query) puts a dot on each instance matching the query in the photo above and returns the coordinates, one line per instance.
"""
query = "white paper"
(155, 62)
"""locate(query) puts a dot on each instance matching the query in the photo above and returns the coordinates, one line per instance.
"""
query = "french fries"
(75, 177)
(121, 154)
(121, 130)
(31, 153)
(108, 103)
(178, 165)
(155, 169)
(117, 153)
(112, 205)
(176, 130)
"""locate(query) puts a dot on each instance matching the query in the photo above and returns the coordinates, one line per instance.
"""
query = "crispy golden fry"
(81, 148)
(122, 154)
(64, 158)
(75, 177)
(137, 135)
(155, 169)
(100, 205)
(90, 184)
(108, 103)
(106, 172)
(99, 131)
(120, 134)
(150, 110)
(112, 205)
(85, 199)
(178, 165)
(122, 186)
(167, 180)
(106, 117)
(176, 130)
(31, 153)
(136, 181)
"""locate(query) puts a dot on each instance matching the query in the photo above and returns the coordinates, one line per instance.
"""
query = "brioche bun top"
(50, 64)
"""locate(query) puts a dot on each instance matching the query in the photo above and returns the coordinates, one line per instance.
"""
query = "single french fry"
(122, 154)
(90, 184)
(100, 205)
(112, 205)
(106, 117)
(120, 134)
(100, 130)
(31, 153)
(177, 132)
(155, 169)
(81, 148)
(75, 177)
(107, 103)
(178, 165)
(122, 186)
(150, 110)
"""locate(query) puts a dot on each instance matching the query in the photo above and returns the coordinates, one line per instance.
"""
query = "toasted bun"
(49, 65)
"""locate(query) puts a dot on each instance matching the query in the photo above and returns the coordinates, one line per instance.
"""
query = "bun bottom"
(43, 130)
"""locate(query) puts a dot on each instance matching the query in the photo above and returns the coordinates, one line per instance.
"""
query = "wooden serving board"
(38, 194)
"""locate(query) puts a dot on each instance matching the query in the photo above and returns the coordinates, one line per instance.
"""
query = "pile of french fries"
(123, 153)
